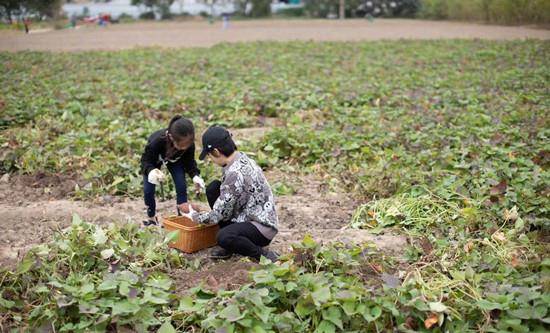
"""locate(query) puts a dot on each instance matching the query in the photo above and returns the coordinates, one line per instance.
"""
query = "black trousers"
(242, 238)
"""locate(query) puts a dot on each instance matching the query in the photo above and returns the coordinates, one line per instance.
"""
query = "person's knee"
(214, 187)
(213, 192)
(225, 239)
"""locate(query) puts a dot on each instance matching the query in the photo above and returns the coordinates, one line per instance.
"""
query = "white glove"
(156, 177)
(190, 214)
(199, 182)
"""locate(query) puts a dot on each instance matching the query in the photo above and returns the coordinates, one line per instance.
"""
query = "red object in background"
(90, 19)
(104, 18)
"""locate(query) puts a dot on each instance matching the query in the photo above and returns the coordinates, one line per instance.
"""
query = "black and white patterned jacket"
(245, 196)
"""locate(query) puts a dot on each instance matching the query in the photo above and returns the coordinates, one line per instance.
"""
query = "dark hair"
(180, 127)
(227, 148)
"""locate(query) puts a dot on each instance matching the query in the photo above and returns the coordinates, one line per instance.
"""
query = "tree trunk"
(342, 9)
(8, 12)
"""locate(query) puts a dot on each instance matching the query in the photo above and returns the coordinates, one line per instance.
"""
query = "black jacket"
(158, 146)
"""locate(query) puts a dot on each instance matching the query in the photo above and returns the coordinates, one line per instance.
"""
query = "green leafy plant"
(92, 278)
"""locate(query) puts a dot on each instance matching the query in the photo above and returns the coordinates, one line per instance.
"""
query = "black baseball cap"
(214, 137)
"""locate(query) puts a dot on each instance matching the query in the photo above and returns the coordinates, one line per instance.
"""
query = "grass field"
(445, 142)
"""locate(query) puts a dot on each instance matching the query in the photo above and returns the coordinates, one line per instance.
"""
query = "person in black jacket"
(175, 148)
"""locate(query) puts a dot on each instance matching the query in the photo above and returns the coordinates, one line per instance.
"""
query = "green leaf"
(520, 224)
(304, 307)
(376, 312)
(187, 304)
(264, 277)
(246, 322)
(64, 301)
(349, 308)
(124, 307)
(76, 220)
(231, 313)
(149, 297)
(167, 328)
(41, 289)
(282, 270)
(487, 305)
(172, 236)
(370, 314)
(333, 315)
(160, 282)
(128, 276)
(107, 285)
(308, 241)
(87, 308)
(346, 295)
(4, 303)
(540, 311)
(325, 326)
(124, 288)
(321, 295)
(263, 312)
(290, 286)
(523, 313)
(25, 265)
(258, 329)
(87, 288)
(117, 181)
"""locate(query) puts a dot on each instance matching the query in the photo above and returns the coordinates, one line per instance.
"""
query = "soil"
(203, 34)
(214, 275)
(310, 210)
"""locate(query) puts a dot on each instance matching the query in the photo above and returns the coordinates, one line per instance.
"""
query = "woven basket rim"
(168, 220)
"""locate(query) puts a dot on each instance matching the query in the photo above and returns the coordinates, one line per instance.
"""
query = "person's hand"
(196, 207)
(156, 177)
(184, 208)
(199, 184)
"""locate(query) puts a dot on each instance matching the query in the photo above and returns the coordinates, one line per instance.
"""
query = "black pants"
(242, 238)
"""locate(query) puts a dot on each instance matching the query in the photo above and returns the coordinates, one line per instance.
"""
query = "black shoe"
(151, 222)
(271, 255)
(220, 253)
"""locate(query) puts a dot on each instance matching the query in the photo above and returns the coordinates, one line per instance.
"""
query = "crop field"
(412, 182)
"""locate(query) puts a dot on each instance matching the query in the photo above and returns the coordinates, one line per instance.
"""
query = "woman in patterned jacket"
(242, 202)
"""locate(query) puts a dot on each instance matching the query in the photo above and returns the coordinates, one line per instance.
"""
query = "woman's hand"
(184, 208)
(197, 207)
(187, 208)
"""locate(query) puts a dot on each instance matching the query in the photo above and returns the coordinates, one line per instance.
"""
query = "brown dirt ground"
(203, 34)
(226, 275)
(26, 223)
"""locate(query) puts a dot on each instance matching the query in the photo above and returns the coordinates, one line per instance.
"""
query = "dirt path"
(203, 34)
(25, 224)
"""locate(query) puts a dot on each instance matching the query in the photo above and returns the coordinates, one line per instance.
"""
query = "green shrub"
(126, 18)
(494, 11)
(291, 12)
(147, 15)
(260, 8)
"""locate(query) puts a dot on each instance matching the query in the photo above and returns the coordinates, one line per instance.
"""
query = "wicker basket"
(192, 236)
